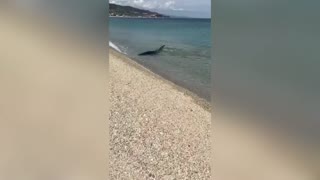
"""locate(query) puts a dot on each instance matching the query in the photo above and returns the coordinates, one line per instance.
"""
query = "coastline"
(160, 132)
(137, 17)
(170, 17)
(204, 103)
(158, 129)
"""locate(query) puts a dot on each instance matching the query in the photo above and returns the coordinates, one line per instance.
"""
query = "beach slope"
(158, 130)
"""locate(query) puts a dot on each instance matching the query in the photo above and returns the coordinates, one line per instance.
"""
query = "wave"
(114, 47)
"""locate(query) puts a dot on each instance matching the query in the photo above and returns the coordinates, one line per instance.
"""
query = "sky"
(188, 8)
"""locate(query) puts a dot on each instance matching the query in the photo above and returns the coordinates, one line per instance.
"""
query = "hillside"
(128, 11)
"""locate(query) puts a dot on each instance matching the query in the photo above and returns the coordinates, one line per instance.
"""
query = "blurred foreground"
(266, 89)
(53, 120)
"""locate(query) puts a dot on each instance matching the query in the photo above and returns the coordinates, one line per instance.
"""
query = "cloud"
(172, 6)
(150, 4)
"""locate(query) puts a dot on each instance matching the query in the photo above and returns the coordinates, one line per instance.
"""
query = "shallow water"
(186, 58)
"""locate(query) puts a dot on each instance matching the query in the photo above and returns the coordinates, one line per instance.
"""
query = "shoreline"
(204, 103)
(132, 17)
(158, 129)
(204, 18)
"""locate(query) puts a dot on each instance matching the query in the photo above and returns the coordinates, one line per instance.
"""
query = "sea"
(186, 58)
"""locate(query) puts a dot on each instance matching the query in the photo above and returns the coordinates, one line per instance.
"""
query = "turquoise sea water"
(186, 58)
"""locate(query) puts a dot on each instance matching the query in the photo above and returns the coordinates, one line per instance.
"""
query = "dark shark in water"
(152, 52)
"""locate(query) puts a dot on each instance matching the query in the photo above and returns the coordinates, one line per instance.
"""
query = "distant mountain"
(128, 11)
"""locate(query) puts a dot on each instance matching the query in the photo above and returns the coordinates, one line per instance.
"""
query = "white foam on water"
(114, 47)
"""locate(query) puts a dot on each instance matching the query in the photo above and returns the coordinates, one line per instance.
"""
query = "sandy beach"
(158, 130)
(54, 113)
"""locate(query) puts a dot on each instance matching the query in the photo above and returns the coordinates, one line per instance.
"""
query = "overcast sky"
(190, 8)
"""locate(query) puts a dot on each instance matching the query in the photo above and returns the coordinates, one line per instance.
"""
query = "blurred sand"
(158, 131)
(247, 151)
(53, 107)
